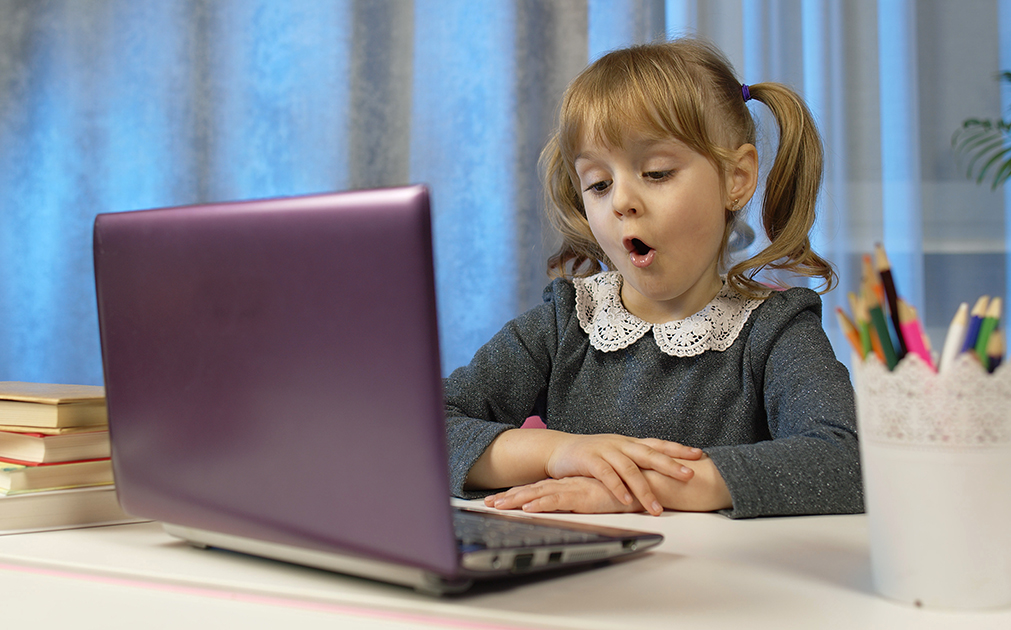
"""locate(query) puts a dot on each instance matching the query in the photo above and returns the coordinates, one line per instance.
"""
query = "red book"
(45, 448)
(17, 477)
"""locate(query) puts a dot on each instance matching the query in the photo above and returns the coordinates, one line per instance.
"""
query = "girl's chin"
(658, 302)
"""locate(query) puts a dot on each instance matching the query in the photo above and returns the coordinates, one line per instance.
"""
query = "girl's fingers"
(506, 500)
(617, 462)
(548, 503)
(629, 473)
(673, 449)
(648, 458)
(571, 494)
(521, 496)
(606, 474)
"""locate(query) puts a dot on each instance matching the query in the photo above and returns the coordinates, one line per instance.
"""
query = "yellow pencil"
(849, 330)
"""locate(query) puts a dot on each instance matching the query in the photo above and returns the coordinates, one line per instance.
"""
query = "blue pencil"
(975, 321)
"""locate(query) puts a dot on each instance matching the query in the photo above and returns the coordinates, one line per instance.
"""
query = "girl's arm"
(812, 463)
(705, 491)
(522, 457)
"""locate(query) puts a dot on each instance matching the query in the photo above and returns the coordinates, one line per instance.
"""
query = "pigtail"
(791, 191)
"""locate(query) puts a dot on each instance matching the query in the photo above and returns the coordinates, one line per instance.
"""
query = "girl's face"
(658, 210)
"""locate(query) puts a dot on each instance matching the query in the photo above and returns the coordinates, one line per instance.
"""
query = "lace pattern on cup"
(611, 327)
(962, 408)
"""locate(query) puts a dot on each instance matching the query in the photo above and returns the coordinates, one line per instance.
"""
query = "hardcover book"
(51, 405)
(18, 477)
(42, 448)
(61, 509)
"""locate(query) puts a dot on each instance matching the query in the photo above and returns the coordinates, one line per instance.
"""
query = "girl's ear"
(742, 176)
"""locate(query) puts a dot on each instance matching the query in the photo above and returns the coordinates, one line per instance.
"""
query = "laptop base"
(422, 581)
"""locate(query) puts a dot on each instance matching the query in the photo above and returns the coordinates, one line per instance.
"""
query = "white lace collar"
(611, 327)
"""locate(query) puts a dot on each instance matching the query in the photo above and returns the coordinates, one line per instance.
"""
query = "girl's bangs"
(610, 119)
(610, 106)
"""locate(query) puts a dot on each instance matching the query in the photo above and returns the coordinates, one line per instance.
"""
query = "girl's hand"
(618, 461)
(704, 492)
(583, 495)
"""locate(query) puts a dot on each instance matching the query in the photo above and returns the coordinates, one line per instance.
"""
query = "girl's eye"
(598, 188)
(657, 175)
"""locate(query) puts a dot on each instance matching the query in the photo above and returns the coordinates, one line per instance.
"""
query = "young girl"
(665, 381)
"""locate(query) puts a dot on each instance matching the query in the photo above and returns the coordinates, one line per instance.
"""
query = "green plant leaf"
(986, 145)
(994, 159)
(1001, 176)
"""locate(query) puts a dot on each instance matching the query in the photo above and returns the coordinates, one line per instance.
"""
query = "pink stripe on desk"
(263, 599)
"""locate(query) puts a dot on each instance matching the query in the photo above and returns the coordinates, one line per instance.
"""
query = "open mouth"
(639, 252)
(639, 247)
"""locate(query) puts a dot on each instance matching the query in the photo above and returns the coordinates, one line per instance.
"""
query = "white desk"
(711, 572)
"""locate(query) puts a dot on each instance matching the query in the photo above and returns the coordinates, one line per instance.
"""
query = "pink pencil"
(912, 333)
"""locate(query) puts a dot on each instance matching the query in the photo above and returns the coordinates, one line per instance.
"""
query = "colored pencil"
(955, 337)
(986, 327)
(873, 282)
(888, 284)
(863, 316)
(995, 350)
(869, 277)
(912, 332)
(879, 351)
(877, 318)
(863, 330)
(976, 316)
(850, 330)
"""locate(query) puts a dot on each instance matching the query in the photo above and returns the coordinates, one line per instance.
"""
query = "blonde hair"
(686, 89)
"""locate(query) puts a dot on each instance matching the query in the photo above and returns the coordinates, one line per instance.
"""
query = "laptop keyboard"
(479, 529)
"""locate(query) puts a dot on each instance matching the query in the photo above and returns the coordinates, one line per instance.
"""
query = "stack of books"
(55, 467)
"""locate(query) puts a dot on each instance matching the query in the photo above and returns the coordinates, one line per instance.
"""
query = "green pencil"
(881, 326)
(986, 329)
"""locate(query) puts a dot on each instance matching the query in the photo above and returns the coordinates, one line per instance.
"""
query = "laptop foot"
(434, 585)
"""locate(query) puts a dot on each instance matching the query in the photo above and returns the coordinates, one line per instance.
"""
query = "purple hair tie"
(745, 92)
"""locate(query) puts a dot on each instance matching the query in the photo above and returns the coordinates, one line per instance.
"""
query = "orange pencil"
(870, 278)
(879, 352)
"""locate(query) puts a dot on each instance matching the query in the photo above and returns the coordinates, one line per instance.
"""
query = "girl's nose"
(624, 200)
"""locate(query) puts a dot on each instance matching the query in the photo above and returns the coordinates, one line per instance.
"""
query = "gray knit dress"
(765, 397)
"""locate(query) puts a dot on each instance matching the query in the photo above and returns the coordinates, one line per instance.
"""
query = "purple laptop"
(273, 384)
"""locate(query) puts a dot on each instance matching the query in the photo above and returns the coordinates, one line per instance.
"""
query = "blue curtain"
(112, 105)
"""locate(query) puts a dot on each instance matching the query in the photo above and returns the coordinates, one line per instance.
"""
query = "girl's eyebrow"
(666, 144)
(585, 155)
(584, 158)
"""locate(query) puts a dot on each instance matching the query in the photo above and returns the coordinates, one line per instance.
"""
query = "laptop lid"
(272, 371)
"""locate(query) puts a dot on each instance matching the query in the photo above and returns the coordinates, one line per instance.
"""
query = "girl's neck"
(693, 300)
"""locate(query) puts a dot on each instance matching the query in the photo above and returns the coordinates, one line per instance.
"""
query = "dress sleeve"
(812, 463)
(502, 386)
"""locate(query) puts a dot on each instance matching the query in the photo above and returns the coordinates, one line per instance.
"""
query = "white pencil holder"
(936, 459)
